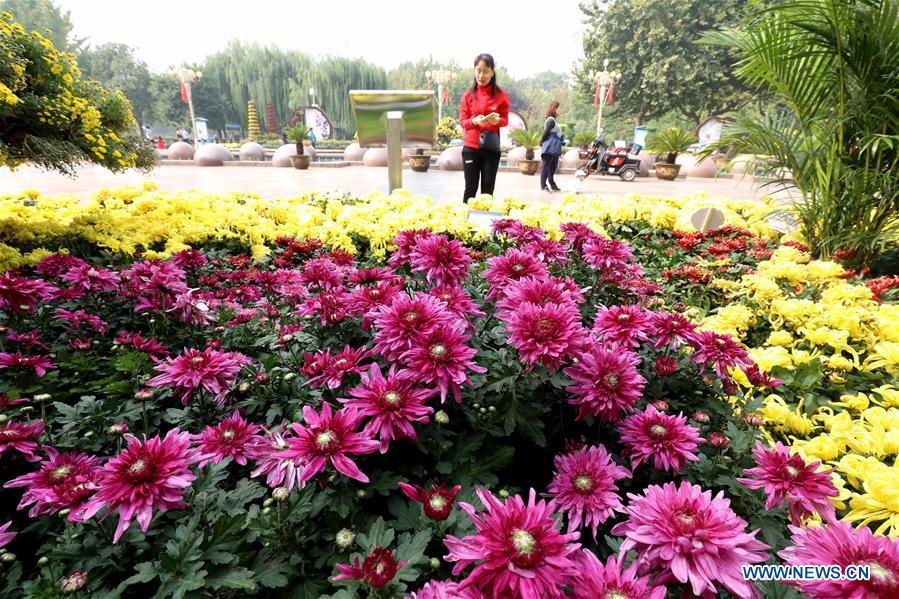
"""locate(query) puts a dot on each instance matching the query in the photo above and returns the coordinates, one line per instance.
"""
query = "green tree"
(44, 17)
(655, 45)
(115, 67)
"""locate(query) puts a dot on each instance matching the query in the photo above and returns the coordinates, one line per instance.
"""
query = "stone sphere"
(687, 161)
(571, 159)
(181, 150)
(518, 154)
(646, 163)
(450, 159)
(707, 169)
(212, 155)
(353, 153)
(252, 151)
(282, 155)
(741, 164)
(375, 157)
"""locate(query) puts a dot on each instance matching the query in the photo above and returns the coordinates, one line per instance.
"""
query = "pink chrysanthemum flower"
(210, 369)
(191, 309)
(189, 259)
(321, 273)
(328, 370)
(154, 284)
(64, 481)
(457, 301)
(517, 550)
(405, 241)
(548, 251)
(378, 568)
(148, 346)
(91, 278)
(671, 329)
(788, 478)
(329, 306)
(720, 350)
(512, 266)
(539, 292)
(577, 234)
(436, 501)
(21, 437)
(6, 401)
(606, 382)
(31, 339)
(400, 324)
(21, 294)
(147, 475)
(666, 439)
(58, 264)
(393, 405)
(79, 320)
(692, 538)
(269, 451)
(6, 537)
(546, 334)
(840, 544)
(379, 274)
(231, 438)
(607, 254)
(626, 326)
(516, 230)
(442, 261)
(41, 364)
(610, 580)
(365, 300)
(584, 487)
(330, 436)
(444, 589)
(441, 356)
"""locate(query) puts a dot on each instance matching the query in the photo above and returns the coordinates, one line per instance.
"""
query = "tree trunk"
(300, 151)
(638, 119)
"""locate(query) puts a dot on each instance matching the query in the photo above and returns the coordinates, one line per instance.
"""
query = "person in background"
(551, 147)
(484, 109)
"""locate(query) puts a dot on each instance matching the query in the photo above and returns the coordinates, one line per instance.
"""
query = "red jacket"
(481, 102)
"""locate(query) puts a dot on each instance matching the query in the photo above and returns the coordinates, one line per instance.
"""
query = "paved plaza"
(359, 180)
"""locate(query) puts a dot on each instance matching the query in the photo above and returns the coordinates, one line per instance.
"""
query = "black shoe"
(555, 188)
(546, 190)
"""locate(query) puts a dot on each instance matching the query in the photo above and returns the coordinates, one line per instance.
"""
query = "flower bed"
(353, 397)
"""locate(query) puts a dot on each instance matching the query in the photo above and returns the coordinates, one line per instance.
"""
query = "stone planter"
(667, 172)
(528, 167)
(300, 162)
(420, 163)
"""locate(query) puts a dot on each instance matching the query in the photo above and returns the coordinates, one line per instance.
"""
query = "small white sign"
(483, 219)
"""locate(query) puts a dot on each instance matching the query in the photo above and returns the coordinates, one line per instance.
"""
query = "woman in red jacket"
(484, 109)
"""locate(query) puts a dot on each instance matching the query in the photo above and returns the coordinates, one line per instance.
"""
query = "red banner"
(184, 93)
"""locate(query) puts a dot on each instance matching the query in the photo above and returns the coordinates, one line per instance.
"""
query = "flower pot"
(301, 162)
(528, 167)
(666, 171)
(420, 163)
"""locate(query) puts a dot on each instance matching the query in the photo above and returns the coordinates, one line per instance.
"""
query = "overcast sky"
(524, 37)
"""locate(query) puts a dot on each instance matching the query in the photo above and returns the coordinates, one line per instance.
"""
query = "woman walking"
(483, 111)
(551, 147)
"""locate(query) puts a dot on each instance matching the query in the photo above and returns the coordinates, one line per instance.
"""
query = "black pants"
(479, 165)
(550, 162)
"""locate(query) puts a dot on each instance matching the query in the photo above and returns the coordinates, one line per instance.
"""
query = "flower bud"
(75, 582)
(243, 387)
(118, 429)
(476, 406)
(268, 502)
(3, 418)
(483, 410)
(42, 397)
(345, 538)
(441, 417)
(434, 563)
(261, 377)
(701, 416)
(660, 404)
(266, 510)
(281, 494)
(219, 329)
(504, 493)
(753, 420)
(88, 434)
(64, 512)
(360, 494)
(289, 376)
(286, 337)
(144, 395)
(43, 561)
(8, 558)
(491, 409)
(719, 440)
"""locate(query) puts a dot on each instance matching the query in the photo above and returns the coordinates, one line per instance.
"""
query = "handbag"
(489, 140)
(553, 145)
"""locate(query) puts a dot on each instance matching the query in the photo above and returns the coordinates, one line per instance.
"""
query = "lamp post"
(188, 76)
(312, 94)
(603, 79)
(442, 78)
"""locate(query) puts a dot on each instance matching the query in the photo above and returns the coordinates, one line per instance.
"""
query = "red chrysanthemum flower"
(231, 438)
(457, 301)
(365, 300)
(840, 544)
(91, 278)
(441, 356)
(692, 538)
(584, 487)
(31, 339)
(148, 346)
(436, 501)
(21, 294)
(154, 284)
(327, 370)
(539, 292)
(670, 329)
(269, 451)
(41, 364)
(377, 570)
(610, 580)
(720, 350)
(626, 326)
(400, 324)
(189, 259)
(58, 264)
(666, 365)
(79, 320)
(147, 475)
(517, 550)
(546, 334)
(393, 405)
(22, 437)
(321, 273)
(367, 276)
(405, 241)
(512, 266)
(6, 537)
(444, 589)
(65, 481)
(329, 306)
(606, 382)
(442, 261)
(6, 400)
(330, 436)
(210, 369)
(666, 439)
(788, 478)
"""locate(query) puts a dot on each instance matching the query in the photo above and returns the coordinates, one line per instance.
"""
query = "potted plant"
(419, 161)
(299, 134)
(582, 140)
(528, 139)
(671, 142)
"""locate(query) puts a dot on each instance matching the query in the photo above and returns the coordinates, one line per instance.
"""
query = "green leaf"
(238, 578)
(146, 571)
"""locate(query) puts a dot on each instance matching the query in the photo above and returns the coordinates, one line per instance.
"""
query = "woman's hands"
(490, 119)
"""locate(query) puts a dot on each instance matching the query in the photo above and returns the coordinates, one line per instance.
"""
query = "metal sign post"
(394, 150)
